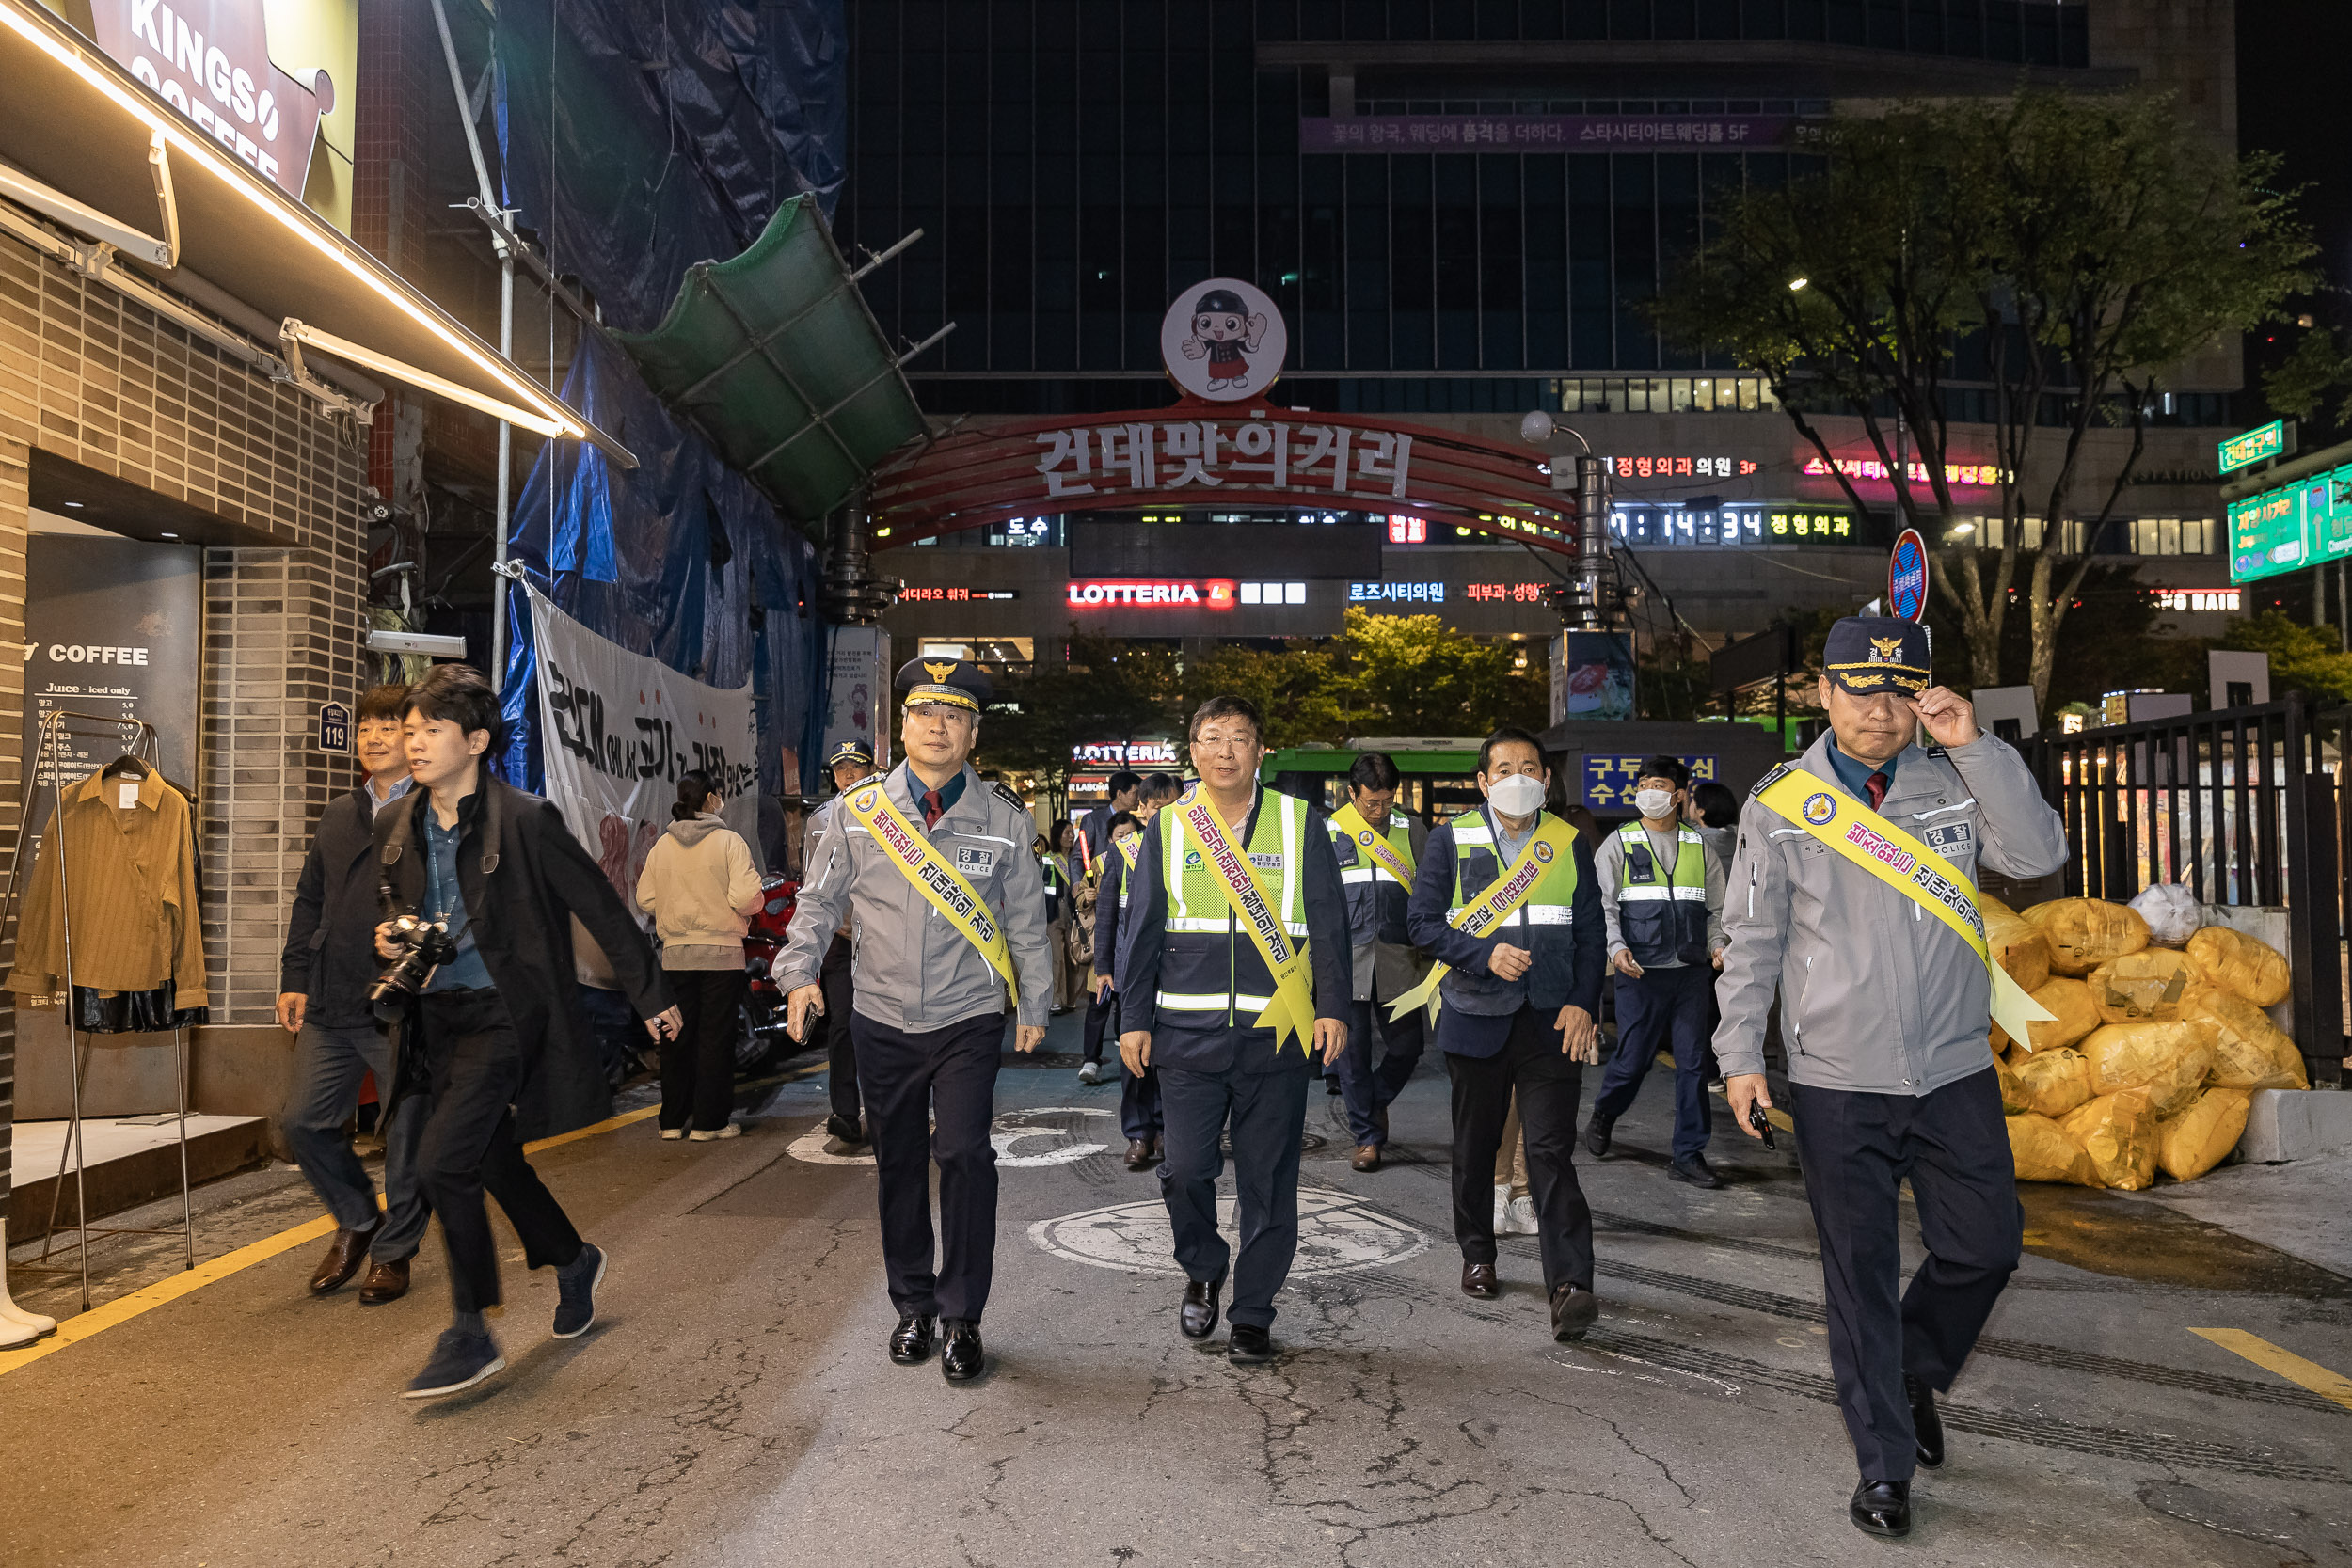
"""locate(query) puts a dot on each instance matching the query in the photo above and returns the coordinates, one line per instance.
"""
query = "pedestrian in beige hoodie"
(700, 887)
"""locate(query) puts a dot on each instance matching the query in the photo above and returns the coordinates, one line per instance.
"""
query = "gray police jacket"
(1877, 996)
(912, 968)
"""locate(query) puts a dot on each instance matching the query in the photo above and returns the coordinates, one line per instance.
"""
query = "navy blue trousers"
(1665, 1007)
(1366, 1089)
(1857, 1148)
(1265, 1114)
(928, 1100)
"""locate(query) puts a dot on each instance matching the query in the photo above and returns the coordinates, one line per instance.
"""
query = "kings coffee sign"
(211, 62)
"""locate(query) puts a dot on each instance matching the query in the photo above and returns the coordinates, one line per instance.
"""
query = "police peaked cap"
(1867, 653)
(850, 750)
(956, 682)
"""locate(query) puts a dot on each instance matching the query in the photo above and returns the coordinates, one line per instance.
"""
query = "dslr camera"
(424, 946)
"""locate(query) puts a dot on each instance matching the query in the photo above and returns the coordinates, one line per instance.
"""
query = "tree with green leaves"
(1415, 674)
(2062, 251)
(1105, 690)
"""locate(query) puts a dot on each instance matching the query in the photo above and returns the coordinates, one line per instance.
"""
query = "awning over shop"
(775, 357)
(75, 122)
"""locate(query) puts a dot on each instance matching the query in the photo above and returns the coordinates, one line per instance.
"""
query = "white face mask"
(1519, 794)
(1653, 803)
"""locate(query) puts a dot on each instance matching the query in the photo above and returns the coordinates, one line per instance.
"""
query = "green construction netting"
(775, 357)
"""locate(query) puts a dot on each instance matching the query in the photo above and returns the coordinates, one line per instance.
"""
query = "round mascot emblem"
(1819, 808)
(1223, 339)
(1543, 854)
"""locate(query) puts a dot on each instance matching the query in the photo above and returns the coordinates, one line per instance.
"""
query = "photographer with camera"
(480, 880)
(322, 1002)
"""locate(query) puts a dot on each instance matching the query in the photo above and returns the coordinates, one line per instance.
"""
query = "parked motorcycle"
(762, 1041)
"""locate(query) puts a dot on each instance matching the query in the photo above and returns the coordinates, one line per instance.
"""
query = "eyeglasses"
(1214, 743)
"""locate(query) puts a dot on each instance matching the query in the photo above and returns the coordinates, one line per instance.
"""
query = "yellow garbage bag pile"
(2142, 986)
(2019, 946)
(2086, 933)
(2154, 1054)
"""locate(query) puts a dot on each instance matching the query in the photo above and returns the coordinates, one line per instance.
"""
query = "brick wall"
(90, 377)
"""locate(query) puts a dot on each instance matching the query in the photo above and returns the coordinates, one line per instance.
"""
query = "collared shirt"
(445, 899)
(378, 803)
(950, 793)
(130, 873)
(1855, 775)
(1508, 844)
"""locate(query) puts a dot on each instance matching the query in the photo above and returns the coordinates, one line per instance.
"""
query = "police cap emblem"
(1819, 808)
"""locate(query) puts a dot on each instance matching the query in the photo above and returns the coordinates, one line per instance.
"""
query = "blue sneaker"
(575, 1292)
(460, 1360)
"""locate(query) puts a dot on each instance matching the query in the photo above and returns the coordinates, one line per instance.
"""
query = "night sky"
(2291, 59)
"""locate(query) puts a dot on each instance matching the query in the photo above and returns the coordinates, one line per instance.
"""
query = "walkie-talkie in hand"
(1757, 1119)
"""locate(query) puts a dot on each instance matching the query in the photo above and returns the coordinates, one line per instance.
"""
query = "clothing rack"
(142, 745)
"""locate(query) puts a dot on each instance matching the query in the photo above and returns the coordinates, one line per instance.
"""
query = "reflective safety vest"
(1478, 865)
(1375, 904)
(1211, 975)
(1662, 919)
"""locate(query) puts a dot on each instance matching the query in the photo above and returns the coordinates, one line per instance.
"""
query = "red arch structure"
(1203, 453)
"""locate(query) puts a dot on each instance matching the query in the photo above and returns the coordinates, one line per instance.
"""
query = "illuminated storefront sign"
(1396, 593)
(1861, 467)
(2296, 525)
(1681, 467)
(1541, 132)
(210, 59)
(1405, 529)
(1155, 458)
(956, 595)
(2193, 599)
(1124, 753)
(1124, 593)
(2255, 446)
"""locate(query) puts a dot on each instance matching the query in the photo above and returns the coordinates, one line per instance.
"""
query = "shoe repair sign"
(618, 729)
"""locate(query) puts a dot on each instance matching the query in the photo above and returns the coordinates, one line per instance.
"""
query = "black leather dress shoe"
(1597, 1135)
(1881, 1507)
(1574, 1309)
(961, 1357)
(911, 1343)
(1138, 1154)
(1927, 1427)
(1197, 1317)
(1696, 1171)
(1478, 1280)
(385, 1282)
(1249, 1345)
(345, 1254)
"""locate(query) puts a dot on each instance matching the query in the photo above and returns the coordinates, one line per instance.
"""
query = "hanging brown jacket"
(130, 876)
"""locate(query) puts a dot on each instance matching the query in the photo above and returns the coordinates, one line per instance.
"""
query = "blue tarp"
(680, 559)
(640, 137)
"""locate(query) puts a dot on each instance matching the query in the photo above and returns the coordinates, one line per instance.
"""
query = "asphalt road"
(734, 1404)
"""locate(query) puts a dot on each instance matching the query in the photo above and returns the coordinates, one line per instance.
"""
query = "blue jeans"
(328, 1064)
(1664, 1005)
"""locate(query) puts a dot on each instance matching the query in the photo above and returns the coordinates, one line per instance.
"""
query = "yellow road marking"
(2285, 1363)
(73, 1330)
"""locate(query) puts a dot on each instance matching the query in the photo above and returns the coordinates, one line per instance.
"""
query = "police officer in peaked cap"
(850, 763)
(1885, 1010)
(929, 1020)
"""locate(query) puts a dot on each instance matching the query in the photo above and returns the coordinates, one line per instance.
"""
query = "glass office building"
(1070, 162)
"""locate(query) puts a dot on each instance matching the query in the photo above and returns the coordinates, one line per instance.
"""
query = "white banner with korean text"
(616, 731)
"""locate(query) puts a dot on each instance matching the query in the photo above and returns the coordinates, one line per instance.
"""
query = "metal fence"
(2241, 804)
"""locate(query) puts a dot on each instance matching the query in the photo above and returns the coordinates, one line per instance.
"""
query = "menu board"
(111, 628)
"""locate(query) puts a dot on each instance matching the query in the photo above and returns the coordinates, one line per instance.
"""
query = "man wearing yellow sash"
(1232, 965)
(1852, 893)
(1505, 899)
(1377, 850)
(950, 919)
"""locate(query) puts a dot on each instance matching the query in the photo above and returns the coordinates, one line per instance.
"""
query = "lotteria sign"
(1152, 593)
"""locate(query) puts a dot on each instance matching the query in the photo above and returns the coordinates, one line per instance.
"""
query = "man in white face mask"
(1506, 900)
(1663, 894)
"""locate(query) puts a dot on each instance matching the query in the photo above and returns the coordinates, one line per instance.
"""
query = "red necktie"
(1876, 783)
(932, 808)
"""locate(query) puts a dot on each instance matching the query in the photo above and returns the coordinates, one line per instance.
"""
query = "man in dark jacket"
(1506, 900)
(495, 1045)
(329, 964)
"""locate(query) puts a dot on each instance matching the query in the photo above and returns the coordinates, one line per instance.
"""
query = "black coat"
(520, 900)
(330, 936)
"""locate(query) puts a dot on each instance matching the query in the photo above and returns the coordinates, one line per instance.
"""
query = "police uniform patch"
(1949, 839)
(1819, 808)
(1266, 861)
(1003, 792)
(972, 860)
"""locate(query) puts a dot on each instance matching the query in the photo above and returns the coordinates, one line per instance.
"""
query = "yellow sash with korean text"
(1372, 842)
(1910, 867)
(1293, 1009)
(1494, 907)
(934, 877)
